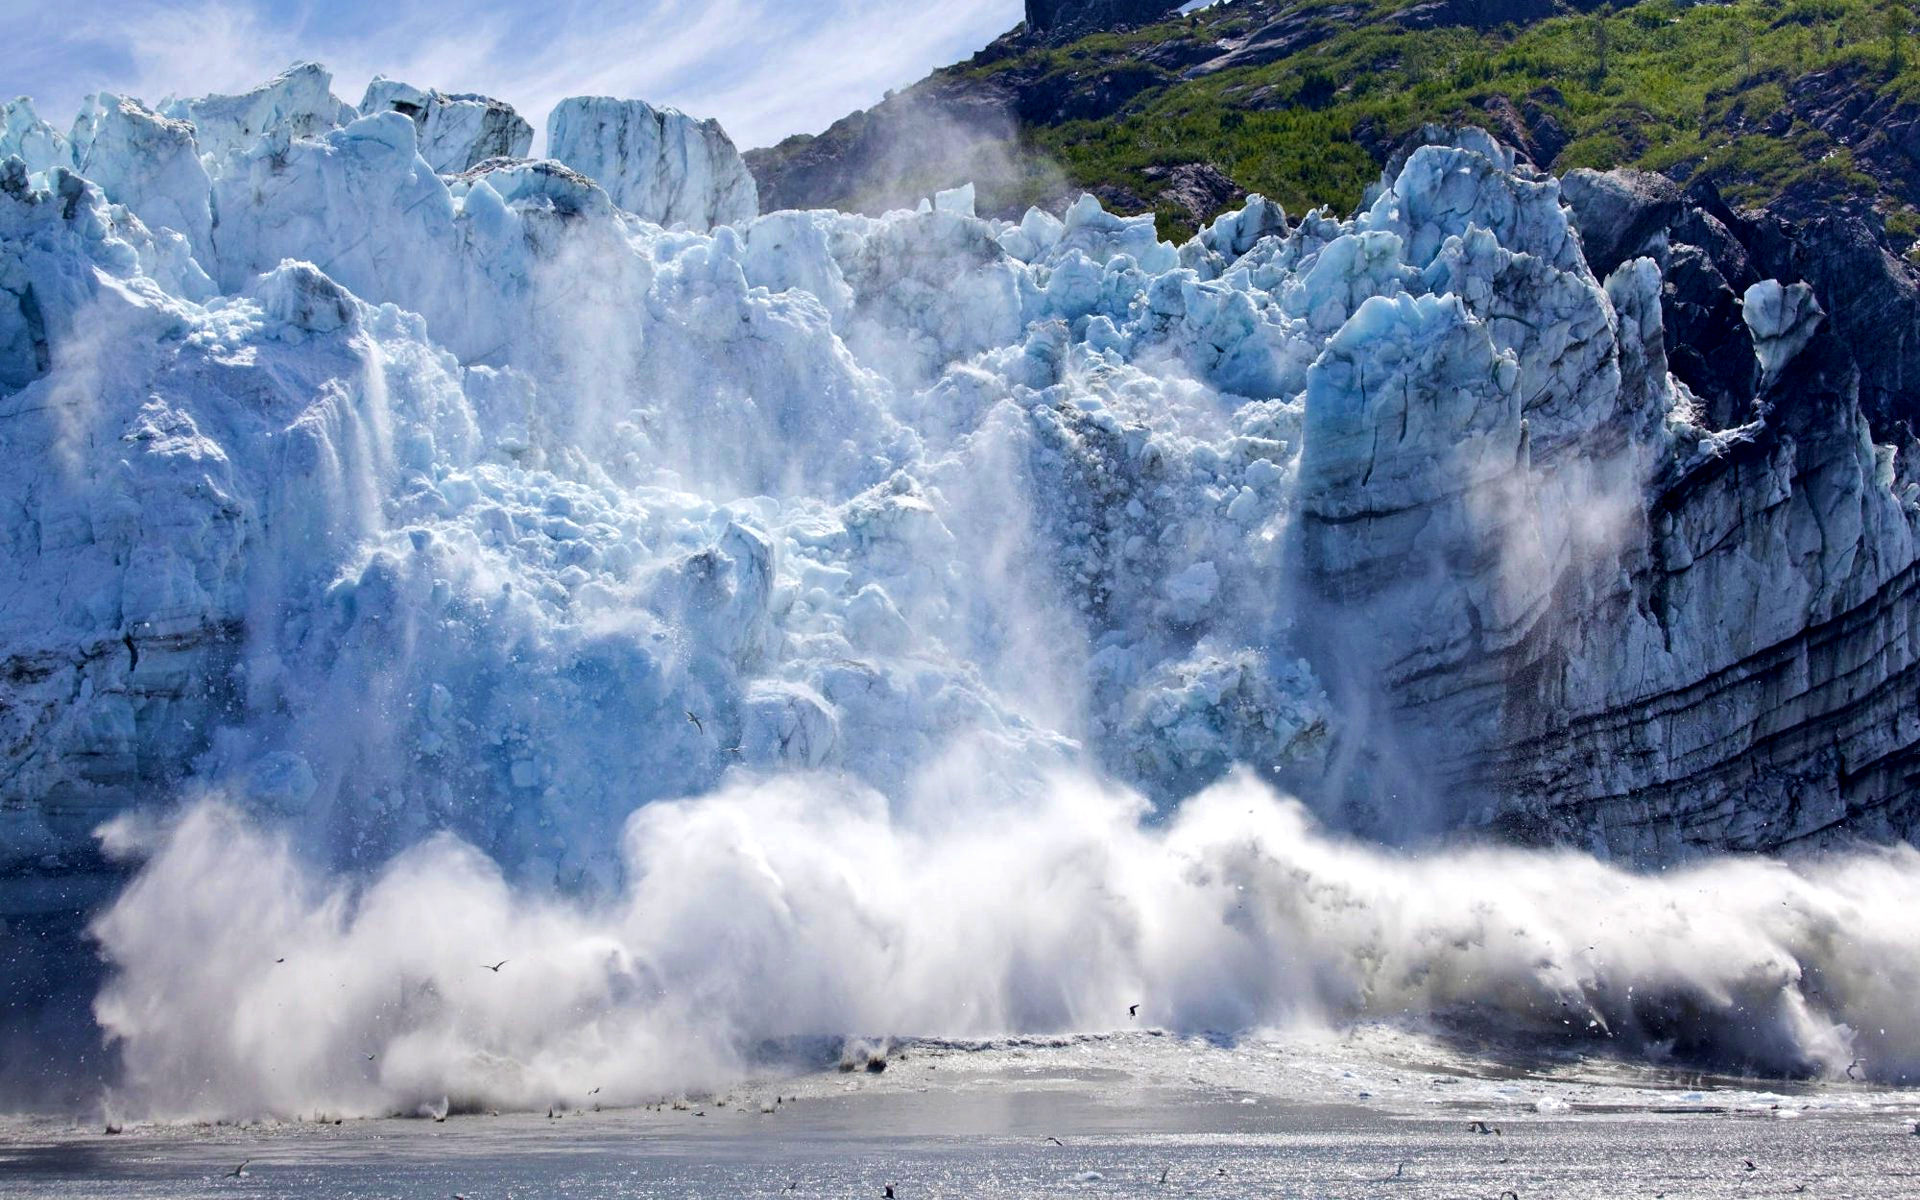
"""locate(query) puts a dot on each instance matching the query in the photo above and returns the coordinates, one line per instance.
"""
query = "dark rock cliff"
(1061, 20)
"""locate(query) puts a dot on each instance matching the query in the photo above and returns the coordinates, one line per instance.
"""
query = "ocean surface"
(1374, 1112)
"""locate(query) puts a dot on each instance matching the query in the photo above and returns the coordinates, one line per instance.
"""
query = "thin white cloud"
(766, 68)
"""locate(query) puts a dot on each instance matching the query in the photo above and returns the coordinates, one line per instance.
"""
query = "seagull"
(1056, 1141)
(1750, 1165)
(1850, 1069)
(1133, 1010)
(594, 1092)
(369, 1058)
(239, 1172)
(279, 960)
(495, 968)
(696, 723)
(736, 751)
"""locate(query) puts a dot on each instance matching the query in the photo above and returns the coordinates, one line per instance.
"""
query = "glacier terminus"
(562, 546)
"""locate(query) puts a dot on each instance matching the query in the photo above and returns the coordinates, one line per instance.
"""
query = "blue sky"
(766, 68)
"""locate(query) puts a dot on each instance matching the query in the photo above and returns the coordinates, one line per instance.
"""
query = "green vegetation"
(1686, 90)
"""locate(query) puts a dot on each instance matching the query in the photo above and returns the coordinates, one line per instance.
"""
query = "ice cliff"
(389, 485)
(457, 132)
(657, 163)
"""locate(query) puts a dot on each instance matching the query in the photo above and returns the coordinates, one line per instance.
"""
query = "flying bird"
(279, 960)
(1133, 1010)
(696, 723)
(594, 1092)
(495, 968)
(239, 1172)
(1056, 1141)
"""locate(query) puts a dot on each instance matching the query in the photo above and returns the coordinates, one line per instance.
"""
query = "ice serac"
(25, 136)
(148, 162)
(657, 163)
(299, 102)
(457, 131)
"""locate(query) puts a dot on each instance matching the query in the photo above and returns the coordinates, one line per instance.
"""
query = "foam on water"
(791, 908)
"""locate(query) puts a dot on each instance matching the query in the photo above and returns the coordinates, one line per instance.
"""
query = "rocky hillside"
(1810, 101)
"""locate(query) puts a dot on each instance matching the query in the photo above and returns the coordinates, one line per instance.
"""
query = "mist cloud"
(810, 906)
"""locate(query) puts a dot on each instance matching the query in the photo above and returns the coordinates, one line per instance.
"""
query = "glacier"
(479, 527)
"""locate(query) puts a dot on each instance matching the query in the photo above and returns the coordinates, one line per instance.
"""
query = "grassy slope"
(1660, 86)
